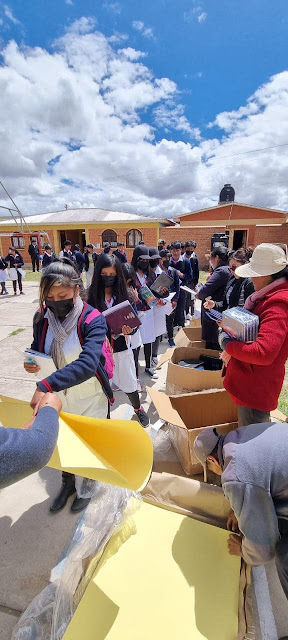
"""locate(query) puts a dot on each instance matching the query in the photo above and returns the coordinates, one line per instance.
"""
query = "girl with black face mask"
(65, 328)
(144, 276)
(108, 288)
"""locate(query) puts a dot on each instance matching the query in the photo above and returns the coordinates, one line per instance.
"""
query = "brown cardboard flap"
(165, 357)
(199, 500)
(194, 410)
(277, 415)
(187, 335)
(195, 322)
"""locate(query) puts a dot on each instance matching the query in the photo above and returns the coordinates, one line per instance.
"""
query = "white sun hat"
(266, 260)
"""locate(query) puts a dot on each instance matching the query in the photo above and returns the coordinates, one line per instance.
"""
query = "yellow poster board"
(171, 578)
(117, 452)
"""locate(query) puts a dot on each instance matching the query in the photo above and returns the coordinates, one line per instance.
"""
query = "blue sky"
(217, 55)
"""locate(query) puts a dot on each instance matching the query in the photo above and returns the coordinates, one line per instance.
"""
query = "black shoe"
(142, 417)
(79, 504)
(60, 501)
(150, 372)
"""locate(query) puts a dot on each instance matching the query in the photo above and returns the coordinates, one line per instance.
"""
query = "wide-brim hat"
(266, 260)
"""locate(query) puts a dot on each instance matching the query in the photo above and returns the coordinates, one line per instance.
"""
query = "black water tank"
(227, 194)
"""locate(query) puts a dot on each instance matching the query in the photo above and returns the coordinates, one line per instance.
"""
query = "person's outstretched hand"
(50, 400)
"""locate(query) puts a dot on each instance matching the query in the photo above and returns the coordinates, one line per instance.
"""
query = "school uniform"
(147, 329)
(121, 256)
(183, 265)
(47, 259)
(15, 264)
(124, 376)
(3, 275)
(90, 261)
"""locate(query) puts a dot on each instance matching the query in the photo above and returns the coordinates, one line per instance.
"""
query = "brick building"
(83, 226)
(244, 224)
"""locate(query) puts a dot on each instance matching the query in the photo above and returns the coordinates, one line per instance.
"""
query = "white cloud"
(147, 32)
(114, 7)
(202, 17)
(196, 13)
(9, 14)
(69, 2)
(74, 129)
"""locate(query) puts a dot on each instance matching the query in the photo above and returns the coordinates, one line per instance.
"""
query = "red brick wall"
(149, 235)
(7, 242)
(238, 212)
(271, 234)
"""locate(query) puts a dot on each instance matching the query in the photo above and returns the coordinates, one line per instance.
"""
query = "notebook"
(163, 281)
(43, 361)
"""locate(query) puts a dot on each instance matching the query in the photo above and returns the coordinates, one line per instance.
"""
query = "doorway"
(239, 238)
(77, 236)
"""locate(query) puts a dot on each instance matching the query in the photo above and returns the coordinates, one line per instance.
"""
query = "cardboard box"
(189, 414)
(187, 335)
(195, 322)
(183, 380)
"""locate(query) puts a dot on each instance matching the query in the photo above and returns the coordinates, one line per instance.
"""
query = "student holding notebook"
(108, 288)
(73, 333)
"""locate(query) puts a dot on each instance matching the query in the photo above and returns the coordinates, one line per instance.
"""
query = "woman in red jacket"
(255, 371)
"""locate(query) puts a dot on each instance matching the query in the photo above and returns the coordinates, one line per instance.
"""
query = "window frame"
(113, 243)
(135, 239)
(20, 242)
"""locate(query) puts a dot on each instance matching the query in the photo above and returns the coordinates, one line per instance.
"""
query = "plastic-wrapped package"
(162, 445)
(86, 488)
(50, 613)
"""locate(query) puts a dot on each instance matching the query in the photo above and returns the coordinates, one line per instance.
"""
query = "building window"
(109, 236)
(133, 238)
(17, 242)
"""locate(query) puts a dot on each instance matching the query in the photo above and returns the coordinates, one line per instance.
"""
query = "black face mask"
(154, 263)
(143, 266)
(108, 281)
(166, 264)
(188, 252)
(60, 308)
(106, 250)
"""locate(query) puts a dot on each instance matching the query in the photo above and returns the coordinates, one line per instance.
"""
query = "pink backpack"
(107, 350)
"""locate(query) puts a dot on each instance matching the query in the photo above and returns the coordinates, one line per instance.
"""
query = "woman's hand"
(174, 304)
(160, 302)
(164, 290)
(135, 294)
(209, 304)
(225, 357)
(50, 400)
(126, 330)
(35, 402)
(31, 368)
(232, 523)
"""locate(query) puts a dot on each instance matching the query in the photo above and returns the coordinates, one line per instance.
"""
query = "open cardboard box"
(195, 321)
(186, 335)
(188, 414)
(183, 380)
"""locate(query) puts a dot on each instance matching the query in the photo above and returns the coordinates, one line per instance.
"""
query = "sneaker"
(142, 417)
(188, 316)
(6, 293)
(150, 372)
(114, 387)
(22, 293)
(154, 361)
(171, 342)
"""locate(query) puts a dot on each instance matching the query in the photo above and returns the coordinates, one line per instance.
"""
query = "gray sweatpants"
(281, 555)
(251, 416)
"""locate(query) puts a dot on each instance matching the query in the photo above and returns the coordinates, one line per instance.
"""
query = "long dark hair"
(96, 296)
(129, 274)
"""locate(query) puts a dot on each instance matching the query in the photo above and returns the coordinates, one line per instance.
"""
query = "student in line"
(141, 265)
(237, 289)
(16, 263)
(130, 277)
(190, 254)
(165, 266)
(48, 256)
(3, 276)
(108, 288)
(69, 330)
(90, 257)
(120, 252)
(78, 255)
(183, 266)
(214, 288)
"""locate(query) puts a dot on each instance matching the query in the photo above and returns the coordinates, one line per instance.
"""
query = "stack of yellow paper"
(117, 452)
(169, 578)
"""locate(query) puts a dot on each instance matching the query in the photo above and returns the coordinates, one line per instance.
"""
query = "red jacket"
(256, 371)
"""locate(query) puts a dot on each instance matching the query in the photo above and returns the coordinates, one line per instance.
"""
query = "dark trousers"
(134, 399)
(189, 300)
(35, 262)
(180, 309)
(19, 279)
(155, 347)
(3, 287)
(281, 555)
(170, 324)
(147, 356)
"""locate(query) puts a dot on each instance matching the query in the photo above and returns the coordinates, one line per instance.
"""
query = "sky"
(144, 106)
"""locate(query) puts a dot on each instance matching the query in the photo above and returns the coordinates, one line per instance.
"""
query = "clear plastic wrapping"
(50, 613)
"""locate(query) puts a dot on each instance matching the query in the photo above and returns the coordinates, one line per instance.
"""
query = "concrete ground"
(31, 538)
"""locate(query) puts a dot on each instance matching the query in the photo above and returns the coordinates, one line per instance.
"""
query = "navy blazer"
(215, 288)
(14, 261)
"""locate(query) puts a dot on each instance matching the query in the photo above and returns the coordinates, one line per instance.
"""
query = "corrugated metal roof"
(80, 216)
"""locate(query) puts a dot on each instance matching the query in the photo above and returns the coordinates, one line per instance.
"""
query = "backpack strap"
(79, 332)
(43, 335)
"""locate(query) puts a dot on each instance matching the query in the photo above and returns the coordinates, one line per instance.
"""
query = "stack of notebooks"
(207, 363)
(241, 324)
